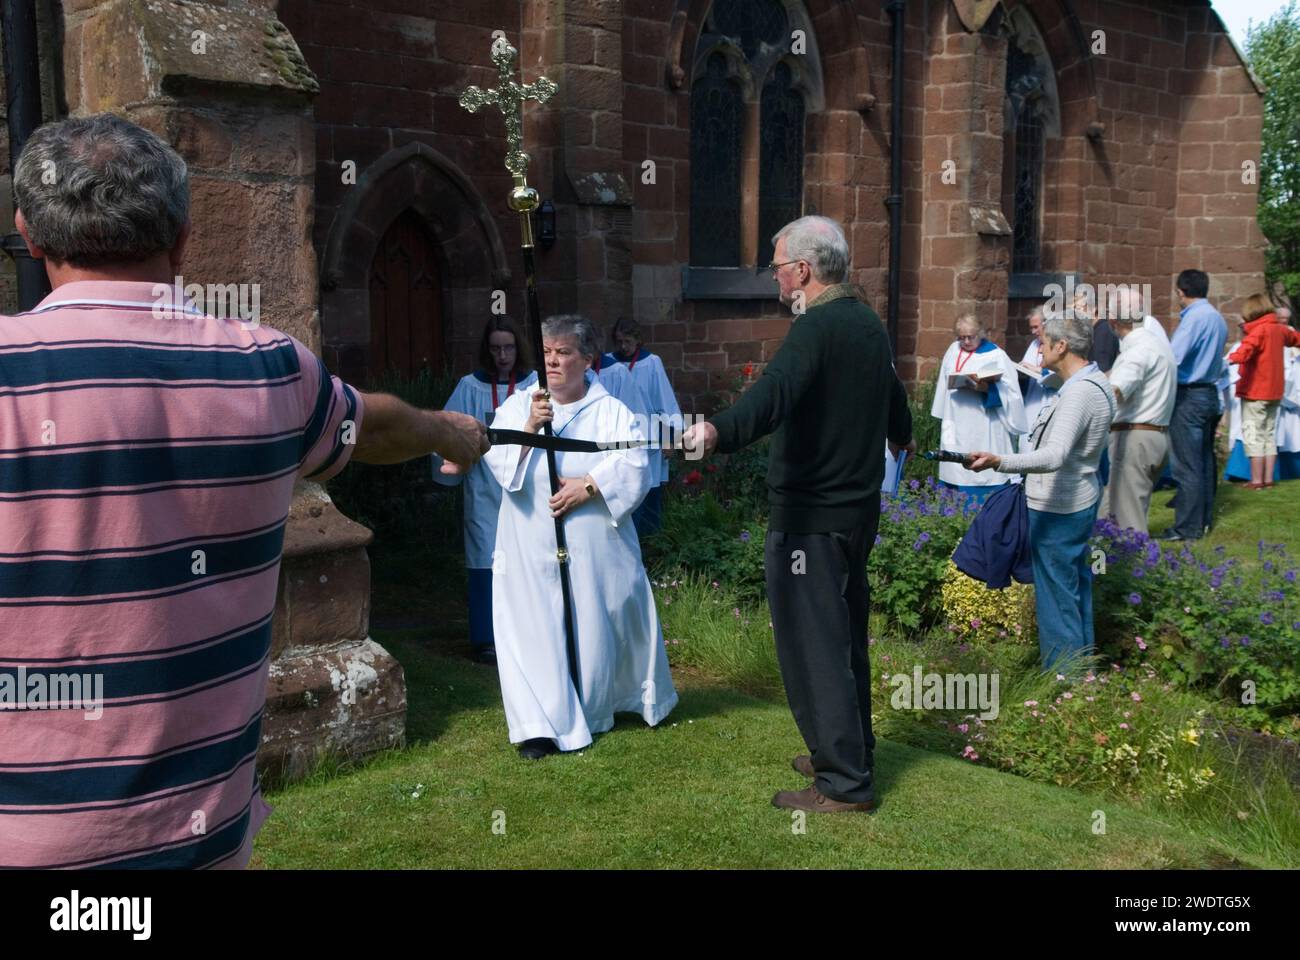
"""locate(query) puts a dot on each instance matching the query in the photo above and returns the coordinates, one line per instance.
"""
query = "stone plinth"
(332, 690)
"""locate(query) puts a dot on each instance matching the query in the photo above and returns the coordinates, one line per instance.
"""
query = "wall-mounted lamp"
(546, 224)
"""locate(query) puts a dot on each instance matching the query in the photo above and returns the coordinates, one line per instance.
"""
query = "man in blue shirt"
(1198, 348)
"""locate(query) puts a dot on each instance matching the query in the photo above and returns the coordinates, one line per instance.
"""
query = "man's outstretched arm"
(394, 431)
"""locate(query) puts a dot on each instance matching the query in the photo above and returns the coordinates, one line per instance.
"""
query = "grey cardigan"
(1070, 438)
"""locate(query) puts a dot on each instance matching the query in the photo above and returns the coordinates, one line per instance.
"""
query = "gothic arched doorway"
(406, 331)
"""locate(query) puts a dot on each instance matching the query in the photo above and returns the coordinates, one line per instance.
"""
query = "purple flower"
(1290, 576)
(1135, 598)
(914, 484)
(879, 539)
(924, 537)
(1245, 641)
(1268, 565)
(1139, 573)
(1224, 642)
(949, 511)
(744, 536)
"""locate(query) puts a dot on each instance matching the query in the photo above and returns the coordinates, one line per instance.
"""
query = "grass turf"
(694, 792)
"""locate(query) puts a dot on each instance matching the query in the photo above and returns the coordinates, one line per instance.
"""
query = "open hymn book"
(972, 381)
(1046, 378)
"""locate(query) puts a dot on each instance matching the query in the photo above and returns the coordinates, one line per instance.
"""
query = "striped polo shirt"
(147, 463)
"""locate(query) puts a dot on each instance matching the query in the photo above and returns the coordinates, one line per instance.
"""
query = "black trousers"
(818, 593)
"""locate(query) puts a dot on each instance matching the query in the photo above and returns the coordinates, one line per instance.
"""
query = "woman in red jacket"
(1261, 361)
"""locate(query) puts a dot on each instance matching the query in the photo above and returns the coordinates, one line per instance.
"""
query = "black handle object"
(946, 456)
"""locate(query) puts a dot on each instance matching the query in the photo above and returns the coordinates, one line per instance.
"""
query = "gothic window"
(1031, 117)
(716, 114)
(780, 167)
(756, 76)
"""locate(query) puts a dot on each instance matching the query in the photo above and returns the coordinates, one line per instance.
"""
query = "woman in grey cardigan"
(1062, 487)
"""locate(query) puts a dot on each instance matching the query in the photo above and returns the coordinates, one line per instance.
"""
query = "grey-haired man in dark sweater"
(830, 398)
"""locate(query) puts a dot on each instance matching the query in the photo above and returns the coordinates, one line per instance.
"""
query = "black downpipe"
(23, 87)
(897, 10)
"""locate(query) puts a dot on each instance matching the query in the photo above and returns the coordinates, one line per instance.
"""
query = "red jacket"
(1260, 356)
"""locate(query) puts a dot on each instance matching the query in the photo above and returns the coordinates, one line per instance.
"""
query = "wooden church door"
(406, 332)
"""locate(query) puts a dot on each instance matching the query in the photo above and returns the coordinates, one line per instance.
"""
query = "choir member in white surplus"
(654, 400)
(621, 659)
(983, 413)
(1032, 389)
(505, 366)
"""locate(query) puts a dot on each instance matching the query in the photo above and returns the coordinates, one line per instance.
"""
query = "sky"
(1237, 14)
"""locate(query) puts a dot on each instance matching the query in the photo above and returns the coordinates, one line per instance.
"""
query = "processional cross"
(509, 97)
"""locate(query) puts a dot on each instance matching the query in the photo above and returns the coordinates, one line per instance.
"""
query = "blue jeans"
(1191, 459)
(1058, 547)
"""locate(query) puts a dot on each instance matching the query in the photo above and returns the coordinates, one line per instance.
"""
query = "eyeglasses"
(501, 348)
(774, 267)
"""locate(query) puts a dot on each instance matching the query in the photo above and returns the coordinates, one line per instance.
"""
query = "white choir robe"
(1036, 394)
(473, 395)
(967, 425)
(656, 399)
(621, 656)
(1288, 415)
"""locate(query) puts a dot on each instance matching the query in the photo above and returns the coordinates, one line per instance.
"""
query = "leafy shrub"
(700, 537)
(973, 611)
(919, 530)
(1210, 626)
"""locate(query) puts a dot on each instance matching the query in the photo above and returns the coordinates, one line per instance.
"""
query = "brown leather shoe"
(811, 799)
(803, 764)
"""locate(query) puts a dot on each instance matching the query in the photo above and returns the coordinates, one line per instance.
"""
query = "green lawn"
(693, 793)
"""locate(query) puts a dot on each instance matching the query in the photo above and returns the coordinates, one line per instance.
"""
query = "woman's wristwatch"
(591, 487)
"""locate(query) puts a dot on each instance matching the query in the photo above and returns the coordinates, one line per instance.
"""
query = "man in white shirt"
(1145, 381)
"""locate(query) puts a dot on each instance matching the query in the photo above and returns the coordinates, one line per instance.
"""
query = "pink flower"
(963, 727)
(969, 753)
(1140, 642)
(1137, 697)
(976, 623)
(1123, 726)
(1068, 695)
(1031, 703)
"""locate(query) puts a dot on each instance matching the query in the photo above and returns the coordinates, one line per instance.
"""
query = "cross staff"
(509, 97)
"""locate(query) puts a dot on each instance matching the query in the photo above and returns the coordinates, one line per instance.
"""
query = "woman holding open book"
(979, 402)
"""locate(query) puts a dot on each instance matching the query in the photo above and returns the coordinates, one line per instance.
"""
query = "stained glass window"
(1024, 88)
(716, 116)
(1025, 246)
(780, 152)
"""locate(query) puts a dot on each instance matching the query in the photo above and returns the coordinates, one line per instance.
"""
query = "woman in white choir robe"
(505, 366)
(973, 419)
(621, 658)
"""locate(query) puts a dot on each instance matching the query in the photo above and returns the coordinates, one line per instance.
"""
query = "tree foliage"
(1273, 49)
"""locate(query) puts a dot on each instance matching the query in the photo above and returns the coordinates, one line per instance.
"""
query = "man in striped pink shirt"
(148, 454)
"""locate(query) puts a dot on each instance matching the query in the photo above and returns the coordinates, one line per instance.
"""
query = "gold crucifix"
(510, 97)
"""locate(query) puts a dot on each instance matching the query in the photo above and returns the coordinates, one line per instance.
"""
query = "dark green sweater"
(829, 398)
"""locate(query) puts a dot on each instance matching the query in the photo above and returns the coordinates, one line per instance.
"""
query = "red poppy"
(692, 478)
(749, 370)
